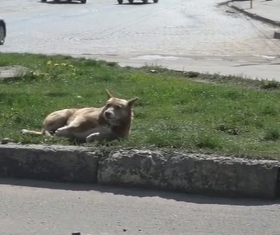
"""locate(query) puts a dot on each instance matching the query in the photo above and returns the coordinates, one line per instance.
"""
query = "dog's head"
(118, 110)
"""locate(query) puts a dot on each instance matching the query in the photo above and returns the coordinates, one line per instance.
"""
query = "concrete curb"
(253, 15)
(174, 171)
(54, 163)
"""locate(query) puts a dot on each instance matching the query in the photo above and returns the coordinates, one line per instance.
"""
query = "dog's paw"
(61, 132)
(92, 137)
(24, 131)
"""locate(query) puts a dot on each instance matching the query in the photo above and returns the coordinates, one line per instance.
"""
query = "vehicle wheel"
(130, 1)
(43, 0)
(120, 1)
(2, 34)
(155, 1)
(145, 1)
(83, 1)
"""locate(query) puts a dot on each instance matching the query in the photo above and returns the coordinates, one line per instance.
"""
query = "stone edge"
(90, 165)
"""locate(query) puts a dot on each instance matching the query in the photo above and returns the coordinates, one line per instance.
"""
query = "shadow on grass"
(137, 192)
(57, 94)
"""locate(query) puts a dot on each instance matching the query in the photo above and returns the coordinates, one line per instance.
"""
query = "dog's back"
(52, 122)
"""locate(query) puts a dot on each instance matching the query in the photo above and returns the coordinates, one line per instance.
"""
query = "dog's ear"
(109, 94)
(132, 101)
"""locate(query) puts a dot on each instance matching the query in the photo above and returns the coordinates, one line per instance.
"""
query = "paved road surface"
(36, 208)
(182, 34)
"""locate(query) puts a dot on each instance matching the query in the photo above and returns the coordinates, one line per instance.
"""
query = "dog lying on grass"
(110, 122)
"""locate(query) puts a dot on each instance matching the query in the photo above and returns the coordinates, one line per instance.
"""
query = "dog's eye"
(118, 106)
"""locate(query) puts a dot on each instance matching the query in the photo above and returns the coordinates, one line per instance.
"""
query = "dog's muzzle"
(109, 115)
(111, 118)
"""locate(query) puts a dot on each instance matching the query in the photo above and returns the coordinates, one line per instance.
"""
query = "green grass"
(177, 110)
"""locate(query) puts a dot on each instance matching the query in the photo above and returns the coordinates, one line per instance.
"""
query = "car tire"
(2, 33)
(83, 1)
(145, 1)
(130, 1)
(43, 0)
(120, 1)
(155, 1)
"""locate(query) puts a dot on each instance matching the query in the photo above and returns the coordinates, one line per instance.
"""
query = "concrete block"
(191, 173)
(55, 163)
(12, 73)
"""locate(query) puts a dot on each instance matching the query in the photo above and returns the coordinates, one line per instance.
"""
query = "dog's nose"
(108, 115)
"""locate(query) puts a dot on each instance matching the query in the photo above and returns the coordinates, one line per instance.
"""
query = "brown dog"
(110, 122)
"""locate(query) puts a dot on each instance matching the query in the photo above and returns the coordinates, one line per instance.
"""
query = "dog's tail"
(35, 133)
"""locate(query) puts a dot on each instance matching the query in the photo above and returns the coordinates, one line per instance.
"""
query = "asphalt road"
(39, 208)
(181, 34)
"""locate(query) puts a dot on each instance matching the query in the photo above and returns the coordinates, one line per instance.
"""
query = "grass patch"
(177, 110)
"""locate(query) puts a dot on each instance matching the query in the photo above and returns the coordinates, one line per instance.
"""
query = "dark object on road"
(131, 1)
(76, 233)
(82, 1)
(3, 31)
(276, 35)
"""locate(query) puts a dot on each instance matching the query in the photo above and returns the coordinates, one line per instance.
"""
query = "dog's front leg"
(93, 137)
(62, 131)
(102, 134)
